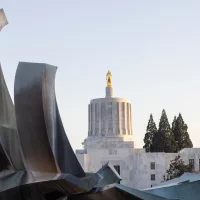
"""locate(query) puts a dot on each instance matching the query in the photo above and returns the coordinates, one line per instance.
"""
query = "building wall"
(102, 150)
(135, 164)
(191, 154)
(140, 171)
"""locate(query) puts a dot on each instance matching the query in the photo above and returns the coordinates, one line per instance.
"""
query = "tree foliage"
(167, 139)
(150, 132)
(181, 135)
(163, 140)
(177, 168)
(174, 124)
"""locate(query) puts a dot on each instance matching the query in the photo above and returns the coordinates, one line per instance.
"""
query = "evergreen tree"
(174, 124)
(163, 140)
(150, 132)
(177, 168)
(181, 135)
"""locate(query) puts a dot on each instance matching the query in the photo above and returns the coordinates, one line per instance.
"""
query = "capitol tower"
(110, 136)
(110, 117)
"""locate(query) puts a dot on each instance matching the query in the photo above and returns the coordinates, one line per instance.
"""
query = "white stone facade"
(134, 164)
(110, 139)
(109, 117)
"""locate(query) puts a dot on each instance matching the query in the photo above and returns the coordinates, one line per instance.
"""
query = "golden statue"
(109, 79)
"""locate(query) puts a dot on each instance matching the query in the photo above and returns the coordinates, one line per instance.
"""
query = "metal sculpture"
(36, 158)
(3, 19)
(46, 147)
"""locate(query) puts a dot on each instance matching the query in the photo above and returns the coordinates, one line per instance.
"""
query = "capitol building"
(110, 139)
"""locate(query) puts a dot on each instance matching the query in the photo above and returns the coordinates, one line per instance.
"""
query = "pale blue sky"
(151, 47)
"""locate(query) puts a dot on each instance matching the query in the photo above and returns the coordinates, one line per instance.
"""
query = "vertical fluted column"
(106, 119)
(99, 117)
(117, 120)
(110, 118)
(120, 118)
(93, 119)
(103, 119)
(128, 119)
(131, 120)
(114, 116)
(96, 119)
(125, 119)
(89, 120)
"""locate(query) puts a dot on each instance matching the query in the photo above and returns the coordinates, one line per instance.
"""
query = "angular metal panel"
(109, 174)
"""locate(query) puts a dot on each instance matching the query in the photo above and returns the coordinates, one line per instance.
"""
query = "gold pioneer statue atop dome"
(109, 79)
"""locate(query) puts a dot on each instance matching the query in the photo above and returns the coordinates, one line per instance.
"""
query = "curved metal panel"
(31, 125)
(44, 141)
(61, 148)
(66, 158)
(8, 131)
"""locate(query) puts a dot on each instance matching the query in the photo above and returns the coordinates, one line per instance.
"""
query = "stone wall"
(135, 164)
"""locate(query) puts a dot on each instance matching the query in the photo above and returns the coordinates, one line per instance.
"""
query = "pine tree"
(163, 140)
(181, 135)
(150, 132)
(174, 124)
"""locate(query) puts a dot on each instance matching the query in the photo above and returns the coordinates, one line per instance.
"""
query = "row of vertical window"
(152, 167)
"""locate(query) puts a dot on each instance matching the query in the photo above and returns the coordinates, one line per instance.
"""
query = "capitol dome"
(110, 116)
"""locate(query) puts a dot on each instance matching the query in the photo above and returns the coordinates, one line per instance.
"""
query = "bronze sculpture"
(109, 79)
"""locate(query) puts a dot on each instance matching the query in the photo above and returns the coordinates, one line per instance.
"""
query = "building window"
(152, 164)
(153, 177)
(191, 162)
(117, 168)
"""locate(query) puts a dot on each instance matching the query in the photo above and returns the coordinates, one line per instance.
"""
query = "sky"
(151, 47)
